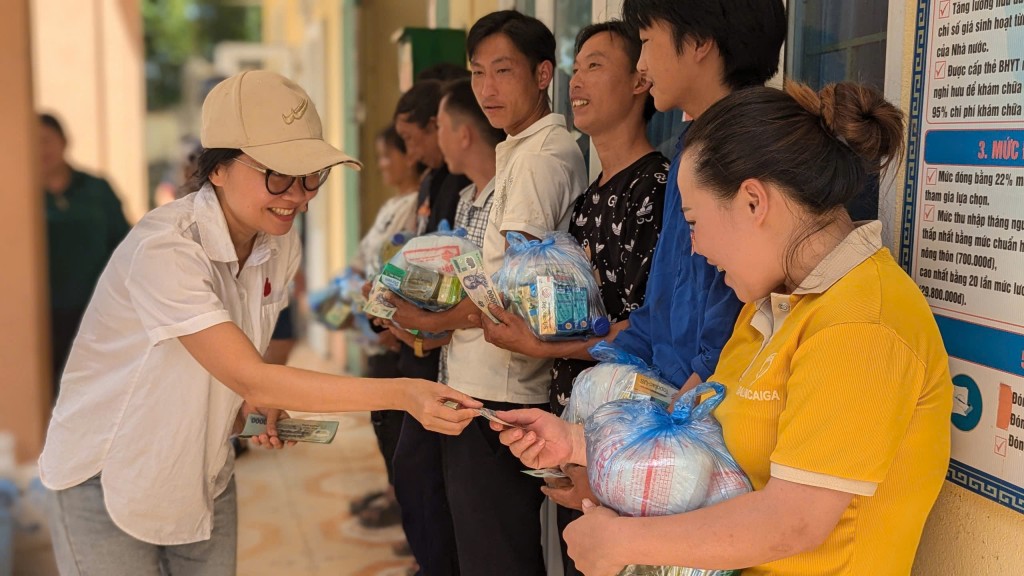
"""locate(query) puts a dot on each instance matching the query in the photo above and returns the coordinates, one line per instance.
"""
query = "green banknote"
(292, 429)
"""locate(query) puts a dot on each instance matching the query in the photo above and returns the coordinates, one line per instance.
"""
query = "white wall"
(87, 58)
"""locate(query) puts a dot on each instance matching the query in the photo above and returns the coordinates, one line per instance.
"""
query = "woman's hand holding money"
(424, 400)
(594, 539)
(270, 439)
(541, 439)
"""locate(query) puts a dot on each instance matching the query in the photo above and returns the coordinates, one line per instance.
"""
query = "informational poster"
(963, 226)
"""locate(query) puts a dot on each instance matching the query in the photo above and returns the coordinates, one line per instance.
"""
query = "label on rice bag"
(652, 389)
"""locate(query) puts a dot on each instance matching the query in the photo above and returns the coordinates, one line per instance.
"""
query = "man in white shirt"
(539, 173)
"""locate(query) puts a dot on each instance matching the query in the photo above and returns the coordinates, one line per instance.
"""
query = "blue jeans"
(86, 542)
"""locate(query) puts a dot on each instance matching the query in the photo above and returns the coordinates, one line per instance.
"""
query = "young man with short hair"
(430, 538)
(695, 52)
(467, 142)
(539, 174)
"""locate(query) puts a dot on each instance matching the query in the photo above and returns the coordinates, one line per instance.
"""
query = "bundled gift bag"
(549, 283)
(618, 376)
(422, 271)
(334, 305)
(645, 461)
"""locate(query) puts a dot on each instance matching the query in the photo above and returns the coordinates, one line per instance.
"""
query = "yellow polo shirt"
(844, 384)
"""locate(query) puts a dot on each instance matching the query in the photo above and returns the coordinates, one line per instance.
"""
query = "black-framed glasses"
(278, 183)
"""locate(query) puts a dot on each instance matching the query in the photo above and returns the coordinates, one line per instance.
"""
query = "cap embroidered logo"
(297, 113)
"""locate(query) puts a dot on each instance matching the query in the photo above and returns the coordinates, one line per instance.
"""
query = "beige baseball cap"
(271, 119)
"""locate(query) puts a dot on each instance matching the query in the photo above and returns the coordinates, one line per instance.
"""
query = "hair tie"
(830, 130)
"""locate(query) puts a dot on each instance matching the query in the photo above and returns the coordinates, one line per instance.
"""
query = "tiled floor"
(293, 507)
(293, 503)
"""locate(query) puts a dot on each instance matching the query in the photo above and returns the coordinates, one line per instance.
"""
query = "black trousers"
(420, 488)
(495, 507)
(387, 424)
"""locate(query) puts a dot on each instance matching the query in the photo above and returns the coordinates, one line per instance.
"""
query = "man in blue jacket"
(695, 52)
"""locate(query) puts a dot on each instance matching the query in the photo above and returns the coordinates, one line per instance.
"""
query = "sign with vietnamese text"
(963, 226)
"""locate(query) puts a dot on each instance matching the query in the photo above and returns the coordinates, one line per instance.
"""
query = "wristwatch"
(417, 347)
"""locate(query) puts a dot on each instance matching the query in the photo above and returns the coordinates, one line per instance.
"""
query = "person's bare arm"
(465, 314)
(513, 334)
(228, 355)
(780, 520)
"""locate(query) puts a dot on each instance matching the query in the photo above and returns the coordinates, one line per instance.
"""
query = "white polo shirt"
(134, 405)
(540, 172)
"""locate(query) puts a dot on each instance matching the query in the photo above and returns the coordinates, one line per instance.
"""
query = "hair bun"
(864, 120)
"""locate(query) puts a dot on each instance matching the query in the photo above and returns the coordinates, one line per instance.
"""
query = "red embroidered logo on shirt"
(266, 288)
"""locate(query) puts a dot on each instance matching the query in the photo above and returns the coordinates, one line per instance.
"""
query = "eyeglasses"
(278, 183)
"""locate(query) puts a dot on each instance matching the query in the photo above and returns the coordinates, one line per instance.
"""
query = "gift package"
(618, 376)
(422, 271)
(549, 283)
(334, 305)
(646, 461)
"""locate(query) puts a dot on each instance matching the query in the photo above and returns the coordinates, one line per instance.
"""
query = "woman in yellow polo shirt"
(838, 388)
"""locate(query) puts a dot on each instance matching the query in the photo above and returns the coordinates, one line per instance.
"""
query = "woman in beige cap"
(170, 350)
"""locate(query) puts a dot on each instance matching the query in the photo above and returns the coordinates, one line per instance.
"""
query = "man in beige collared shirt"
(540, 172)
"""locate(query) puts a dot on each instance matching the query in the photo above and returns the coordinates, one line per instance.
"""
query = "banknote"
(316, 431)
(377, 303)
(476, 282)
(546, 473)
(490, 415)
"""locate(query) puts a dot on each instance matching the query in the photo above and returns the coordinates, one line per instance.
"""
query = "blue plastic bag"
(618, 376)
(549, 283)
(645, 461)
(334, 305)
(422, 271)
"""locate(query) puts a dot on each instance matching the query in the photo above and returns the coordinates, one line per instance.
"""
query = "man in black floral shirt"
(617, 220)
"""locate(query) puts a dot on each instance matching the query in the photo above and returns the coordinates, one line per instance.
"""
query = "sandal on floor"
(365, 501)
(381, 513)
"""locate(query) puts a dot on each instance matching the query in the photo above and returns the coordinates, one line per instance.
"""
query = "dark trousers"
(63, 329)
(495, 507)
(387, 424)
(564, 517)
(420, 489)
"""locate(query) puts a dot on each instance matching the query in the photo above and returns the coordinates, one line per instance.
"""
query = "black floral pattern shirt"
(617, 224)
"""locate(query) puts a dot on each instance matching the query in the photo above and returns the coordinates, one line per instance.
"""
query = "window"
(837, 40)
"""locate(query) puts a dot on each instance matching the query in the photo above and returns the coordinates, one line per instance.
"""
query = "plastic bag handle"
(444, 228)
(604, 352)
(519, 241)
(685, 408)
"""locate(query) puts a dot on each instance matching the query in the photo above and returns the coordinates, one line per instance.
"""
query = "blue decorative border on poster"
(968, 477)
(996, 490)
(914, 136)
